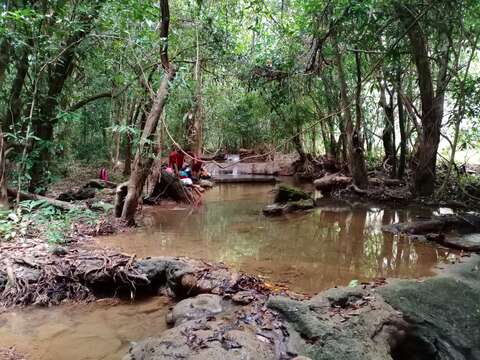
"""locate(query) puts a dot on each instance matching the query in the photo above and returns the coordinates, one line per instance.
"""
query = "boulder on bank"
(436, 318)
(204, 340)
(200, 306)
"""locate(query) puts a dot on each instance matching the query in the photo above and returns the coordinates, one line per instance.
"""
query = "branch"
(85, 101)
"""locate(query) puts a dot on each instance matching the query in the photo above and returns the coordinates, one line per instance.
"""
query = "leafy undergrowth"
(37, 219)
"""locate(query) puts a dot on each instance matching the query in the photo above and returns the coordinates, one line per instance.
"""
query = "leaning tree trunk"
(143, 160)
(353, 141)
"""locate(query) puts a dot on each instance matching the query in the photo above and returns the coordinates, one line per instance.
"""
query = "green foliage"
(37, 216)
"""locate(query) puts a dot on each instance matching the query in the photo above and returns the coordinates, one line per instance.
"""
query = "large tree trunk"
(5, 51)
(432, 105)
(14, 106)
(46, 115)
(354, 146)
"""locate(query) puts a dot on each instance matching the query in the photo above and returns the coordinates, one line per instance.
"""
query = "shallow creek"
(329, 246)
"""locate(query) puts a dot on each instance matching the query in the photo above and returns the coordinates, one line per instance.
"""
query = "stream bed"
(330, 246)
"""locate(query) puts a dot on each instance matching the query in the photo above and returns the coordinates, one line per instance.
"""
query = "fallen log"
(465, 223)
(62, 205)
(329, 183)
(100, 184)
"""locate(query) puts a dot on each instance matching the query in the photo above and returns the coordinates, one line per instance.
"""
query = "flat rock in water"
(278, 209)
(200, 306)
(286, 193)
(204, 340)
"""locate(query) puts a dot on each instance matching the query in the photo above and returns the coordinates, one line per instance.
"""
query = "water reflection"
(330, 246)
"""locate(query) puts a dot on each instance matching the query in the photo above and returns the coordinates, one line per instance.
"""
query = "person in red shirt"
(175, 160)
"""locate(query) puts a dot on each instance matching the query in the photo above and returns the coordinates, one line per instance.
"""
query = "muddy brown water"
(95, 331)
(329, 246)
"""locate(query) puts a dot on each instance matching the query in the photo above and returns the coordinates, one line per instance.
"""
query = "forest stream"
(332, 245)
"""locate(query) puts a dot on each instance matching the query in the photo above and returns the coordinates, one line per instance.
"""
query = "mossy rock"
(286, 193)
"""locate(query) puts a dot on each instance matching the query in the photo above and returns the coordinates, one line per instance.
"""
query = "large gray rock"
(437, 318)
(200, 306)
(443, 313)
(340, 324)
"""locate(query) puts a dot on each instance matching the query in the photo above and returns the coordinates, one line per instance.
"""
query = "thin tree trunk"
(129, 139)
(388, 136)
(401, 123)
(3, 173)
(198, 113)
(354, 150)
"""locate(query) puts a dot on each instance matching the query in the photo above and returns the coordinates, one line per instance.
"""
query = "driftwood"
(53, 202)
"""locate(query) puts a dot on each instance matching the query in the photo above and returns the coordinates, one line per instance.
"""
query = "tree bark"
(432, 105)
(354, 146)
